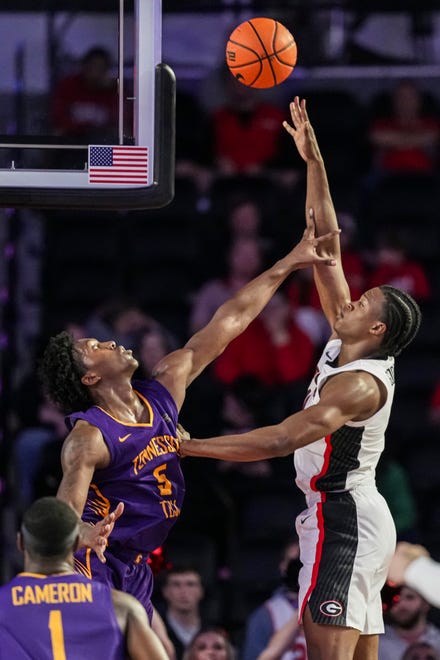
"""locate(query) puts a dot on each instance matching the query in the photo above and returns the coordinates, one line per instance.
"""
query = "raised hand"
(184, 437)
(302, 131)
(305, 252)
(96, 536)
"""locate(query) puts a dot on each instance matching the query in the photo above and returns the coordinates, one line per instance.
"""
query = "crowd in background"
(149, 280)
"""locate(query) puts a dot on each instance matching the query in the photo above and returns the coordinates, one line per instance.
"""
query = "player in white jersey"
(347, 536)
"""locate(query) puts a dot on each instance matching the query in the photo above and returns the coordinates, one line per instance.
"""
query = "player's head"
(49, 530)
(61, 370)
(402, 317)
(385, 317)
(70, 370)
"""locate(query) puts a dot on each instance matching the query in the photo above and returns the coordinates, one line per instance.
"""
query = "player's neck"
(355, 351)
(48, 566)
(120, 400)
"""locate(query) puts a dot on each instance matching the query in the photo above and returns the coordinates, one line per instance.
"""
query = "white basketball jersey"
(348, 456)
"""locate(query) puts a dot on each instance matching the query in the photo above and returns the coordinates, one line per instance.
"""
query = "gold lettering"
(59, 592)
(170, 508)
(63, 592)
(53, 593)
(86, 593)
(29, 596)
(161, 444)
(17, 598)
(41, 593)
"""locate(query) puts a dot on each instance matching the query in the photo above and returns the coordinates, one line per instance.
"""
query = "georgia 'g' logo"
(331, 608)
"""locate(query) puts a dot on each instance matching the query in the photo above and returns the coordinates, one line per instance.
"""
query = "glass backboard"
(131, 169)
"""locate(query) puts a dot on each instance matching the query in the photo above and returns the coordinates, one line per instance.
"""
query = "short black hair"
(402, 316)
(60, 371)
(49, 528)
(180, 569)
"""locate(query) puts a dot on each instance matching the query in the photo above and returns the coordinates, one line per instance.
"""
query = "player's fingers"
(299, 108)
(295, 112)
(100, 555)
(119, 510)
(289, 128)
(304, 110)
(328, 236)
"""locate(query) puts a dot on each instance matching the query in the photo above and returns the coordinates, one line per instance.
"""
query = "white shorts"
(346, 541)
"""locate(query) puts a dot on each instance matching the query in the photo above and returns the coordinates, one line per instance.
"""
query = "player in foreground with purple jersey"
(49, 611)
(121, 454)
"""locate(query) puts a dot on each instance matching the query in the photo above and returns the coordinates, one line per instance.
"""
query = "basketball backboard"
(133, 171)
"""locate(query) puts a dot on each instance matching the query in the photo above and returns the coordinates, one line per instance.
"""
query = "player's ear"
(378, 328)
(90, 379)
(76, 544)
(19, 542)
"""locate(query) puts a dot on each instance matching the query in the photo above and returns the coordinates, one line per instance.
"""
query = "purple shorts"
(123, 570)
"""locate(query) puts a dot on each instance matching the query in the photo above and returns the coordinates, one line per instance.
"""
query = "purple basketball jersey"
(63, 616)
(144, 472)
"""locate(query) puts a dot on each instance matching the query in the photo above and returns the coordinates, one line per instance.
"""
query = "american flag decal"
(118, 165)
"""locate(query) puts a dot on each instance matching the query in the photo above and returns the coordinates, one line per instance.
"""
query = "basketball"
(261, 53)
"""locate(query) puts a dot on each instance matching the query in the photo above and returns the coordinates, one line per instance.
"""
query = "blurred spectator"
(85, 104)
(273, 348)
(394, 266)
(193, 157)
(244, 262)
(183, 592)
(421, 651)
(406, 139)
(119, 320)
(152, 345)
(406, 624)
(245, 407)
(247, 131)
(36, 454)
(240, 215)
(434, 406)
(275, 612)
(393, 483)
(210, 644)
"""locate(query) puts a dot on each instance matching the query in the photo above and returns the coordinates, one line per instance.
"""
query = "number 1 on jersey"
(57, 635)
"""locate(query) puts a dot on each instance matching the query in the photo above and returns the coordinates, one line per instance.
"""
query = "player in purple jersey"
(49, 612)
(122, 451)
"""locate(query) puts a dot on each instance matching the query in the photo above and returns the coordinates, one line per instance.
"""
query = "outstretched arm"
(347, 396)
(332, 285)
(177, 370)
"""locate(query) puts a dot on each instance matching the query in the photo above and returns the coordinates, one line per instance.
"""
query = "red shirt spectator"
(395, 268)
(246, 131)
(273, 348)
(406, 141)
(86, 103)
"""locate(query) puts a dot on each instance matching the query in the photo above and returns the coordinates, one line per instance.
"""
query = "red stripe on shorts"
(320, 521)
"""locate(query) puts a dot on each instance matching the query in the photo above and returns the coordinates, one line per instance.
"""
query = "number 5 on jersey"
(164, 484)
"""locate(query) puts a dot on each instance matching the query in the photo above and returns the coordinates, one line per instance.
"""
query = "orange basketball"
(261, 53)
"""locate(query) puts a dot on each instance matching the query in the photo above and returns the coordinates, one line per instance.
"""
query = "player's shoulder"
(84, 439)
(84, 431)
